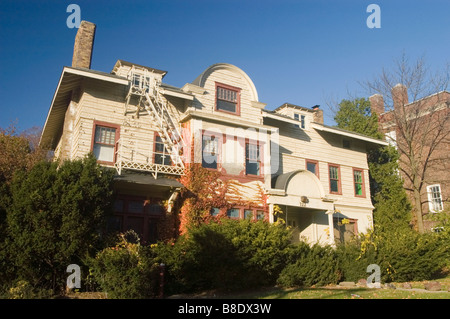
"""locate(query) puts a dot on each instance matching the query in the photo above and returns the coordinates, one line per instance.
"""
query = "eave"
(69, 80)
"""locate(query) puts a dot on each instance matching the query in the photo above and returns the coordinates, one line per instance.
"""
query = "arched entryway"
(305, 206)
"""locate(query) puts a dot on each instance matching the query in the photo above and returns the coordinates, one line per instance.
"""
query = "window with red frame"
(252, 159)
(358, 179)
(227, 99)
(104, 143)
(335, 183)
(210, 149)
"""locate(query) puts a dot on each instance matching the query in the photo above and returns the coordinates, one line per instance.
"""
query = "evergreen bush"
(225, 255)
(312, 265)
(126, 271)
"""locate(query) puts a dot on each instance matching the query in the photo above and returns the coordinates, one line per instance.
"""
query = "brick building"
(421, 132)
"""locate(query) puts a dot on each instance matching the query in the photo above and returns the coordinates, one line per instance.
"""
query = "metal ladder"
(156, 105)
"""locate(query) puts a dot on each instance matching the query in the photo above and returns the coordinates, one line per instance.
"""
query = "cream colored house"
(149, 131)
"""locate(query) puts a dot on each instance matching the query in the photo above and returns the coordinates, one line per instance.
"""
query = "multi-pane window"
(104, 143)
(252, 159)
(161, 155)
(209, 151)
(435, 198)
(227, 99)
(334, 179)
(358, 180)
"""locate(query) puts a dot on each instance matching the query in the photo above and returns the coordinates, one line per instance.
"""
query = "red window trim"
(363, 188)
(261, 155)
(241, 212)
(116, 138)
(314, 162)
(339, 192)
(238, 97)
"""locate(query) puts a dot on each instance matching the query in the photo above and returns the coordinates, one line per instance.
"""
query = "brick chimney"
(376, 104)
(84, 43)
(318, 114)
(399, 95)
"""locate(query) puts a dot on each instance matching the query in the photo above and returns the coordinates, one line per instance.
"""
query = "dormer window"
(227, 99)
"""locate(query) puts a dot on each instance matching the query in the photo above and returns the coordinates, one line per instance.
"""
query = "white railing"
(127, 157)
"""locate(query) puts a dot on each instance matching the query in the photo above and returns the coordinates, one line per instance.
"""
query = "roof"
(69, 80)
(147, 179)
(126, 63)
(297, 107)
(324, 128)
(342, 132)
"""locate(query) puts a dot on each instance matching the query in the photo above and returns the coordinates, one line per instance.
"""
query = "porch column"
(271, 213)
(330, 227)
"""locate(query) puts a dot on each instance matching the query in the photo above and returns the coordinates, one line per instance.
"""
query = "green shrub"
(126, 271)
(54, 219)
(402, 256)
(225, 255)
(311, 265)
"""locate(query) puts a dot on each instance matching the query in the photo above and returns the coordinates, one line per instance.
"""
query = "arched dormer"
(203, 77)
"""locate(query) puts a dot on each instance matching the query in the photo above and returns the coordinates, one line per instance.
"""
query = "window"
(209, 151)
(104, 143)
(435, 198)
(215, 211)
(358, 180)
(391, 138)
(335, 183)
(140, 81)
(346, 144)
(248, 213)
(137, 213)
(252, 159)
(260, 215)
(161, 155)
(233, 213)
(301, 118)
(313, 167)
(227, 99)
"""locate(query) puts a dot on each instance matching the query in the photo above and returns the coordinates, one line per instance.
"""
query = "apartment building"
(283, 163)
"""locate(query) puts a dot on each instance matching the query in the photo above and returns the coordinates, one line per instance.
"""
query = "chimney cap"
(315, 107)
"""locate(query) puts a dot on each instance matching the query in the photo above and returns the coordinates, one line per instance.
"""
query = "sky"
(301, 52)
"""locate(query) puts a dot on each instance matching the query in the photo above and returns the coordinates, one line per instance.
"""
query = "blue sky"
(302, 52)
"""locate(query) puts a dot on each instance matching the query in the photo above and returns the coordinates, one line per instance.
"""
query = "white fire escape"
(146, 88)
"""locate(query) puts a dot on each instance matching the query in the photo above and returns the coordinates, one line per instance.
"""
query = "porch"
(299, 199)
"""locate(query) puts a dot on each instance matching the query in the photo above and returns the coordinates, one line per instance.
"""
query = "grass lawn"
(331, 292)
(336, 292)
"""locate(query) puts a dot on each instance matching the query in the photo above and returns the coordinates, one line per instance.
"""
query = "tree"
(392, 209)
(416, 109)
(355, 115)
(55, 218)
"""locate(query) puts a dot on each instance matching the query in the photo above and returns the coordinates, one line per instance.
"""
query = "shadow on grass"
(315, 293)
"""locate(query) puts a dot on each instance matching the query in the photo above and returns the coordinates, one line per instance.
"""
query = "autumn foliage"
(203, 190)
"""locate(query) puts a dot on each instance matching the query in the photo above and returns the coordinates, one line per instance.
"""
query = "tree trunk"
(418, 210)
